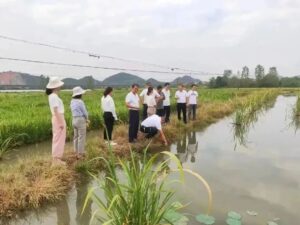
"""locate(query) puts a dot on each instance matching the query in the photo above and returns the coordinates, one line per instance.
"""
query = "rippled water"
(262, 176)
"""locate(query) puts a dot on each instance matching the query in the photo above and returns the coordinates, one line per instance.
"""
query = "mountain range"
(17, 80)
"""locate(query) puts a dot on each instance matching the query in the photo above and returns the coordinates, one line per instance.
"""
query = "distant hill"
(17, 80)
(154, 82)
(86, 82)
(122, 79)
(185, 80)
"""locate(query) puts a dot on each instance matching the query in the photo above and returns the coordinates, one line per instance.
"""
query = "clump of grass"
(10, 143)
(31, 184)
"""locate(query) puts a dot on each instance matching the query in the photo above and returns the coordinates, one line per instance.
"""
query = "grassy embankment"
(31, 183)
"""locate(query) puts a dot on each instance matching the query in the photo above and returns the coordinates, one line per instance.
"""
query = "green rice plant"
(135, 191)
(10, 143)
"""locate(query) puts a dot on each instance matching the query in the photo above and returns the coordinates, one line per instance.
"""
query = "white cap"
(54, 82)
(78, 91)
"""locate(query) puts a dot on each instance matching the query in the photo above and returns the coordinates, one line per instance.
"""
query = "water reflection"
(295, 115)
(247, 117)
(192, 147)
(83, 215)
(187, 146)
(63, 213)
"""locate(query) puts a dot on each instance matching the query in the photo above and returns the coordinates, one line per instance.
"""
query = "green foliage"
(9, 143)
(137, 197)
(205, 219)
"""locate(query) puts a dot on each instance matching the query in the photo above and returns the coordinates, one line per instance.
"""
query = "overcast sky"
(201, 35)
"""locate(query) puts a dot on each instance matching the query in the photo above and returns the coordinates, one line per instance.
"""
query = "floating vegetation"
(205, 219)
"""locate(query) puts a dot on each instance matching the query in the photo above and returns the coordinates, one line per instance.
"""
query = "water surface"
(262, 176)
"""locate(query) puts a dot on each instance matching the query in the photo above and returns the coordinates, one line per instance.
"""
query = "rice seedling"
(10, 143)
(137, 193)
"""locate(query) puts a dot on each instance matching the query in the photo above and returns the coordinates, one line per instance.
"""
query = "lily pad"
(171, 216)
(205, 219)
(272, 223)
(252, 213)
(231, 221)
(234, 215)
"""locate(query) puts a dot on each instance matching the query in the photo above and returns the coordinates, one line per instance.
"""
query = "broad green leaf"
(231, 221)
(173, 217)
(205, 219)
(234, 215)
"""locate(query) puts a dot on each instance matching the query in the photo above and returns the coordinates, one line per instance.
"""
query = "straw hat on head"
(54, 82)
(78, 91)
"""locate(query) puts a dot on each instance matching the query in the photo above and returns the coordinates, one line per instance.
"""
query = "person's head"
(148, 84)
(159, 88)
(194, 86)
(78, 92)
(108, 91)
(180, 87)
(135, 88)
(150, 90)
(167, 86)
(54, 85)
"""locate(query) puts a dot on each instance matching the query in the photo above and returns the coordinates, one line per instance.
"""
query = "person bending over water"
(151, 126)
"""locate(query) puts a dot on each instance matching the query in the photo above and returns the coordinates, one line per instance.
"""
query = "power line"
(90, 54)
(94, 67)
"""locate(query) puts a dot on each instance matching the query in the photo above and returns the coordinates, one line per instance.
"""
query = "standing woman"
(150, 101)
(58, 119)
(80, 121)
(109, 114)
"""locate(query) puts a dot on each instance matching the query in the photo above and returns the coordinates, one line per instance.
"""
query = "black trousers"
(160, 112)
(167, 110)
(134, 120)
(145, 115)
(150, 131)
(109, 125)
(181, 107)
(192, 110)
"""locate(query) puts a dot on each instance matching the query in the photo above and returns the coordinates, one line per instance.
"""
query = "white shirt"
(144, 94)
(167, 94)
(150, 100)
(133, 100)
(108, 105)
(55, 101)
(193, 95)
(152, 121)
(181, 96)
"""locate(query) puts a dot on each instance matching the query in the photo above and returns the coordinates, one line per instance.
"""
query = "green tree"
(227, 73)
(245, 72)
(259, 74)
(273, 71)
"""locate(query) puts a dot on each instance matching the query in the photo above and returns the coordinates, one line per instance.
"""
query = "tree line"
(262, 79)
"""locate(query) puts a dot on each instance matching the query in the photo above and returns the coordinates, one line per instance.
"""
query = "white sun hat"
(54, 82)
(78, 91)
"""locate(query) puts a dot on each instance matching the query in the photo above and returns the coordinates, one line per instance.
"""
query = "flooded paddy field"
(259, 175)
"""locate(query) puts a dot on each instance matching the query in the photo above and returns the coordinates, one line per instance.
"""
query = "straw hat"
(78, 91)
(54, 82)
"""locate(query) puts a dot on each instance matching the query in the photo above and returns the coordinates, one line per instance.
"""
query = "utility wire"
(95, 55)
(93, 67)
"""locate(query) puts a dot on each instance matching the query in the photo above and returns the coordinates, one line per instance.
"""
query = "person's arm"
(59, 117)
(84, 111)
(163, 137)
(114, 109)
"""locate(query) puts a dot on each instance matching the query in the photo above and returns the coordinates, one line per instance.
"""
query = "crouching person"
(151, 126)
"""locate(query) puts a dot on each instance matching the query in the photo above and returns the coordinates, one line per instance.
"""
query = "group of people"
(156, 111)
